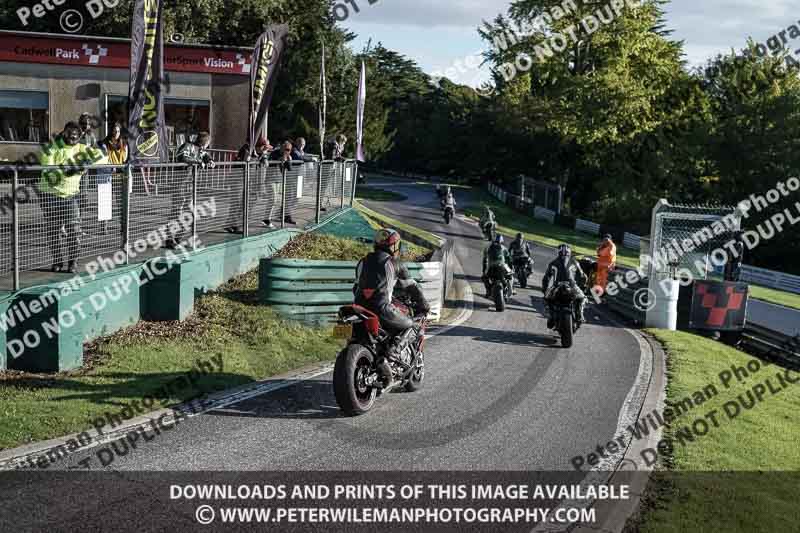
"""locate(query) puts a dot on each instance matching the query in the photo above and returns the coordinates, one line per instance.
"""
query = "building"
(48, 80)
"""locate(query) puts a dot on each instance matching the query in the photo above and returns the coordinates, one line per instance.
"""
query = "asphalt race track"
(500, 394)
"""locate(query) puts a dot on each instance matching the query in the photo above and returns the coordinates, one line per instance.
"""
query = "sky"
(442, 34)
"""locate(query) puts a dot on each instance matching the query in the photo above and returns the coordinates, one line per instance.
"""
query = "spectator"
(263, 149)
(299, 152)
(59, 193)
(337, 148)
(116, 149)
(244, 153)
(284, 153)
(115, 146)
(270, 188)
(192, 153)
(88, 137)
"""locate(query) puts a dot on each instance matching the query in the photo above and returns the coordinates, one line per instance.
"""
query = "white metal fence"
(108, 210)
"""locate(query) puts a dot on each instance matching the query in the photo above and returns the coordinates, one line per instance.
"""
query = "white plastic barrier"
(662, 303)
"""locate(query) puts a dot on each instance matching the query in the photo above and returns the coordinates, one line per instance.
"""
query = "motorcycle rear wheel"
(566, 331)
(499, 297)
(353, 365)
(414, 383)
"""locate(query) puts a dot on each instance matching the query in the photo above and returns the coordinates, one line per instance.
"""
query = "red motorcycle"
(356, 379)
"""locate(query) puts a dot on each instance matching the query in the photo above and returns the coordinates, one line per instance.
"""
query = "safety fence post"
(246, 201)
(283, 195)
(15, 227)
(319, 191)
(344, 174)
(194, 207)
(353, 184)
(126, 214)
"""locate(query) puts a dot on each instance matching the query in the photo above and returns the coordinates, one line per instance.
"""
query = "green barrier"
(313, 291)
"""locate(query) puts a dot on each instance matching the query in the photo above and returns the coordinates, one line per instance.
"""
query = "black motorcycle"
(501, 286)
(448, 214)
(356, 379)
(523, 268)
(564, 312)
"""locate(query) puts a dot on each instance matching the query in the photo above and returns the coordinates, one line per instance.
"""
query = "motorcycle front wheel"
(353, 365)
(523, 278)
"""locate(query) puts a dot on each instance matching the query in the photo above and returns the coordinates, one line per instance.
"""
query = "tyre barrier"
(313, 291)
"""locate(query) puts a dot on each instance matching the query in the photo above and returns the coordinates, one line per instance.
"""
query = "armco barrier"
(774, 344)
(771, 278)
(313, 291)
(631, 241)
(544, 214)
(586, 226)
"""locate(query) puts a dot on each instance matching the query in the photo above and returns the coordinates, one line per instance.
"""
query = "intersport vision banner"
(146, 128)
(264, 75)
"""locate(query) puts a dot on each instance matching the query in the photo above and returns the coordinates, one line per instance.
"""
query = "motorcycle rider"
(564, 268)
(449, 200)
(377, 276)
(487, 218)
(495, 256)
(520, 249)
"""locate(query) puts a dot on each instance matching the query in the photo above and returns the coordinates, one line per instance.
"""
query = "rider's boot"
(581, 316)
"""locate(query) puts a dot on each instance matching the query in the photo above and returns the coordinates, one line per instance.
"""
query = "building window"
(184, 117)
(23, 117)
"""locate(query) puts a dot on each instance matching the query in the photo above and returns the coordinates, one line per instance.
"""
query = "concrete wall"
(74, 90)
(156, 291)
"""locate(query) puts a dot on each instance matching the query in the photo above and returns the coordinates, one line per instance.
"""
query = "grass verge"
(542, 232)
(742, 474)
(317, 246)
(379, 195)
(252, 341)
(551, 235)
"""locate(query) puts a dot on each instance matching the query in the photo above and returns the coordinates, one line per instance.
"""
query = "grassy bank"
(733, 478)
(316, 246)
(509, 222)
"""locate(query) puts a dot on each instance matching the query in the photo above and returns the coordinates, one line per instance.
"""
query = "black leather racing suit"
(377, 276)
(565, 269)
